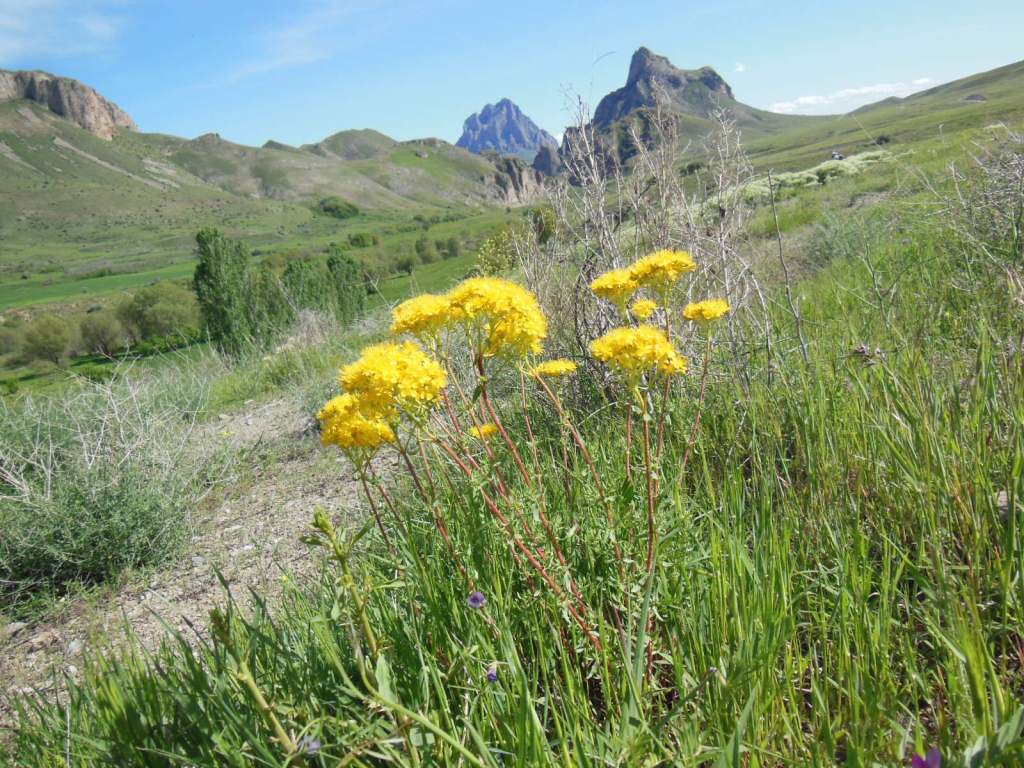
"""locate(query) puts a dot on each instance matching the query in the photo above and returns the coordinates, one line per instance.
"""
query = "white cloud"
(319, 32)
(847, 99)
(38, 28)
(740, 67)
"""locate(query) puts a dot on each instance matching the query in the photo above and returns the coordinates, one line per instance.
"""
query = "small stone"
(12, 629)
(75, 647)
(198, 562)
(223, 417)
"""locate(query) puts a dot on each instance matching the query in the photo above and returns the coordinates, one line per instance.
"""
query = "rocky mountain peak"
(503, 128)
(689, 90)
(67, 98)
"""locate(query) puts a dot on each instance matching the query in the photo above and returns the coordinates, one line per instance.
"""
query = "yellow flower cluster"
(633, 351)
(657, 271)
(662, 268)
(390, 376)
(554, 368)
(643, 309)
(423, 316)
(349, 424)
(616, 285)
(501, 318)
(706, 311)
(484, 431)
(503, 314)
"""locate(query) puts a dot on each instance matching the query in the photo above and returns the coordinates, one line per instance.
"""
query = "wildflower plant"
(407, 396)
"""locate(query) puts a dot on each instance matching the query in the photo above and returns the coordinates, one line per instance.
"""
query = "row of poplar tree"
(244, 301)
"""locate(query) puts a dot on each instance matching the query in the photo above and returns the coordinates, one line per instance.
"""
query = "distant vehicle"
(837, 155)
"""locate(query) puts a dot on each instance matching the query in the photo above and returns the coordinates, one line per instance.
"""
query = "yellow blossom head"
(616, 285)
(643, 309)
(634, 351)
(483, 432)
(662, 269)
(500, 318)
(352, 425)
(554, 368)
(706, 311)
(422, 316)
(390, 376)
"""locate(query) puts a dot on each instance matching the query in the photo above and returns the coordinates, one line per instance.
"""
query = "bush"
(363, 240)
(10, 341)
(99, 479)
(158, 310)
(338, 208)
(95, 372)
(405, 264)
(498, 254)
(47, 338)
(425, 251)
(544, 223)
(454, 249)
(101, 333)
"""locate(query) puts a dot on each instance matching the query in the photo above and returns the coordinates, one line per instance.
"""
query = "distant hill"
(503, 128)
(82, 191)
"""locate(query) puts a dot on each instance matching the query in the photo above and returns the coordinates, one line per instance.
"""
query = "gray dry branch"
(99, 479)
(609, 215)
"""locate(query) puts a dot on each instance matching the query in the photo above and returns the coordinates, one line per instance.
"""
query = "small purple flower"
(492, 674)
(476, 600)
(932, 760)
(309, 746)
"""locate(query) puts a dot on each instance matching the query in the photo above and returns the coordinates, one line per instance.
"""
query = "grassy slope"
(939, 111)
(73, 205)
(841, 585)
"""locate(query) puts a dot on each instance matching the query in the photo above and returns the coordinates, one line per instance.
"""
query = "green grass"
(838, 575)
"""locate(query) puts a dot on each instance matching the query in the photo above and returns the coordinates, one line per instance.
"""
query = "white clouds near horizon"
(847, 99)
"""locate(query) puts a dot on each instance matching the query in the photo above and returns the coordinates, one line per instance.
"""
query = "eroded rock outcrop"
(68, 98)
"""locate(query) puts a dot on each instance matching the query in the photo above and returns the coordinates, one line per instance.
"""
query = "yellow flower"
(349, 423)
(706, 311)
(501, 318)
(483, 432)
(661, 269)
(643, 309)
(616, 285)
(389, 376)
(554, 368)
(421, 316)
(632, 351)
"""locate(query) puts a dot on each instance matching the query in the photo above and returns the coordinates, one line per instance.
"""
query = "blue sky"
(299, 71)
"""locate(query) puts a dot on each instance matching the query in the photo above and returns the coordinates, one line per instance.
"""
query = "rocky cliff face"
(68, 98)
(503, 128)
(515, 181)
(692, 91)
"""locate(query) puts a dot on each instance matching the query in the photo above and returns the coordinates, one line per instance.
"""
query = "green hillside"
(81, 216)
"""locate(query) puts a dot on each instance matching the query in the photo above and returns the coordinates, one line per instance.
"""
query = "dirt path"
(249, 530)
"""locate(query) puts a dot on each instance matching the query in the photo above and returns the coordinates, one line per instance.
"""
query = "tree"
(101, 332)
(307, 285)
(454, 249)
(48, 337)
(163, 309)
(425, 251)
(349, 285)
(224, 288)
